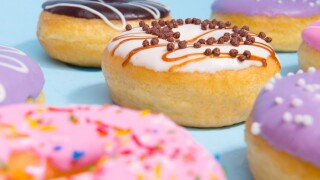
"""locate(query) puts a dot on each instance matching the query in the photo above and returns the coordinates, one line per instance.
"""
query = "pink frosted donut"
(309, 51)
(311, 35)
(39, 142)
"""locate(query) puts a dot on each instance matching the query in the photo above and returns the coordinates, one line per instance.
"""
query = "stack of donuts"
(187, 72)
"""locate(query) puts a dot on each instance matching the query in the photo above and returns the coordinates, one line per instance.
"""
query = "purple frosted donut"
(287, 115)
(20, 77)
(294, 8)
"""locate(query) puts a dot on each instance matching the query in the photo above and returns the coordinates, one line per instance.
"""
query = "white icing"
(19, 67)
(2, 93)
(152, 58)
(141, 4)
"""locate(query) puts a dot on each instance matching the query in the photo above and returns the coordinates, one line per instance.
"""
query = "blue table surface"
(72, 85)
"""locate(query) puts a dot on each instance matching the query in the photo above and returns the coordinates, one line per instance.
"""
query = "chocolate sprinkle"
(170, 39)
(161, 22)
(212, 26)
(216, 51)
(154, 41)
(202, 41)
(145, 43)
(262, 35)
(268, 39)
(142, 23)
(235, 29)
(241, 58)
(182, 44)
(247, 42)
(247, 54)
(188, 21)
(207, 52)
(128, 27)
(176, 35)
(170, 46)
(234, 42)
(245, 28)
(233, 53)
(211, 40)
(197, 45)
(221, 40)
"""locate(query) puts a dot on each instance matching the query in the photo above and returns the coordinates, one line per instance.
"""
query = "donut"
(197, 74)
(76, 31)
(284, 20)
(21, 79)
(283, 131)
(309, 51)
(103, 142)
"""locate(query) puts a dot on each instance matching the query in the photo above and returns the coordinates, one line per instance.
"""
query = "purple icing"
(295, 8)
(20, 77)
(292, 135)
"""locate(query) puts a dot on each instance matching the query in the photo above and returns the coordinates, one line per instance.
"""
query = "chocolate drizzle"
(130, 9)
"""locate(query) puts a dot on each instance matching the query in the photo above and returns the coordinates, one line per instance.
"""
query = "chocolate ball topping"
(211, 40)
(268, 39)
(145, 43)
(170, 46)
(197, 45)
(233, 53)
(262, 35)
(241, 58)
(216, 51)
(154, 41)
(182, 44)
(247, 54)
(128, 27)
(207, 52)
(202, 41)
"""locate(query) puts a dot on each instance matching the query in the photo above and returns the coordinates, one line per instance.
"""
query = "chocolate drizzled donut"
(130, 9)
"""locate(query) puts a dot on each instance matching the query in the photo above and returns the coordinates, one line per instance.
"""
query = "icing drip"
(117, 8)
(128, 45)
(20, 77)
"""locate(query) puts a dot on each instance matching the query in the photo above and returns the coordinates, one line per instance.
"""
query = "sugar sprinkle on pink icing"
(117, 143)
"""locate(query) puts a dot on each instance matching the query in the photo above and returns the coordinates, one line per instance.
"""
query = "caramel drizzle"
(130, 39)
(178, 66)
(130, 35)
(222, 55)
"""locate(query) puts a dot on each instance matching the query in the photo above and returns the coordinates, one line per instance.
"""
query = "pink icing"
(134, 144)
(311, 35)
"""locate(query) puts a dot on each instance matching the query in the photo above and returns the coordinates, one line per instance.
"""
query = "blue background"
(71, 85)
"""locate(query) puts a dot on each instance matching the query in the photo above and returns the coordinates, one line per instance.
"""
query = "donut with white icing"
(21, 79)
(193, 88)
(101, 142)
(284, 20)
(76, 31)
(309, 51)
(283, 130)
